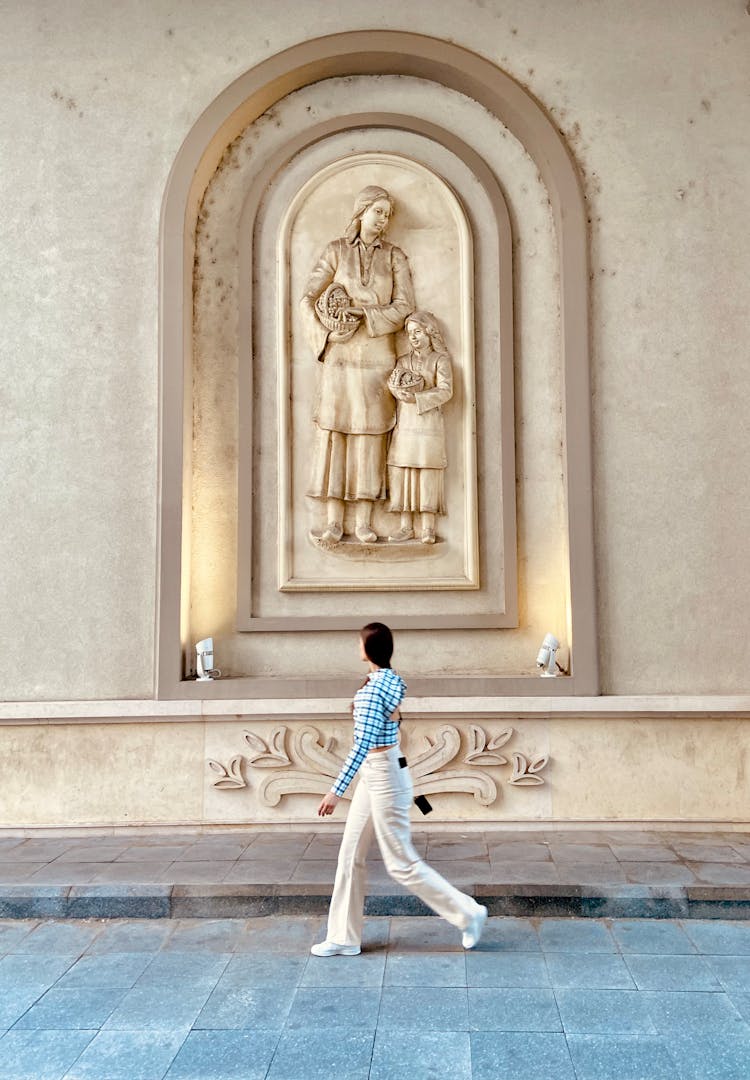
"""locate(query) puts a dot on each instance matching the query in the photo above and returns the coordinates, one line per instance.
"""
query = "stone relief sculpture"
(422, 381)
(357, 297)
(450, 761)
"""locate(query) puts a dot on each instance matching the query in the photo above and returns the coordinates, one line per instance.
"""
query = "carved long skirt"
(416, 490)
(350, 467)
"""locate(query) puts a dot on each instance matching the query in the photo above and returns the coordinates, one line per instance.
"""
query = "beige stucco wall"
(96, 100)
(153, 769)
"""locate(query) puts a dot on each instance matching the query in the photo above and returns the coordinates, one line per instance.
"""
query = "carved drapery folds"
(451, 760)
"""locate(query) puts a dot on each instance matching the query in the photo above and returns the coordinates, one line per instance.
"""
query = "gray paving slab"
(263, 1007)
(622, 1057)
(432, 1008)
(40, 1055)
(123, 936)
(60, 936)
(34, 969)
(733, 972)
(663, 972)
(565, 935)
(71, 1009)
(674, 1011)
(741, 1003)
(708, 851)
(15, 1002)
(15, 873)
(625, 852)
(127, 1055)
(424, 1056)
(585, 854)
(13, 931)
(178, 968)
(448, 969)
(284, 935)
(213, 935)
(507, 969)
(148, 1008)
(719, 937)
(715, 873)
(604, 1012)
(657, 873)
(520, 1055)
(708, 1055)
(315, 1055)
(367, 969)
(650, 936)
(518, 851)
(270, 969)
(92, 852)
(423, 933)
(162, 853)
(335, 1007)
(224, 1055)
(113, 970)
(512, 1009)
(510, 935)
(595, 971)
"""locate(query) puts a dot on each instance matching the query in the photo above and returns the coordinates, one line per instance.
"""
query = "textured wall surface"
(96, 99)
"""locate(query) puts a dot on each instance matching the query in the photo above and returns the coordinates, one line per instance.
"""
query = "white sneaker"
(330, 948)
(473, 931)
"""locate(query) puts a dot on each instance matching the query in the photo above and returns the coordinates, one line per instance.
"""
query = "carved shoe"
(428, 536)
(402, 534)
(330, 948)
(365, 535)
(333, 531)
(473, 931)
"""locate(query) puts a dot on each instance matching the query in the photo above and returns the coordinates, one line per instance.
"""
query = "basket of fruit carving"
(403, 383)
(332, 308)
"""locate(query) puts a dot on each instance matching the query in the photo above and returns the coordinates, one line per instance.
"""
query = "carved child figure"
(421, 382)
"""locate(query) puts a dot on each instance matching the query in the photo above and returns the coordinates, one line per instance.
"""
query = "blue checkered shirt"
(374, 703)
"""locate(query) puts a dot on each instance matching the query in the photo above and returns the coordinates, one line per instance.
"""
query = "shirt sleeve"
(372, 706)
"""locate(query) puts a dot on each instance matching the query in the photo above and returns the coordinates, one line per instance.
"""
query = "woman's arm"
(387, 318)
(321, 277)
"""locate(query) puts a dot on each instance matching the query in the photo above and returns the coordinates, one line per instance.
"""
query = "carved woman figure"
(422, 382)
(357, 297)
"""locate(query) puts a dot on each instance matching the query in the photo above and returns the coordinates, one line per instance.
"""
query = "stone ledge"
(127, 710)
(246, 901)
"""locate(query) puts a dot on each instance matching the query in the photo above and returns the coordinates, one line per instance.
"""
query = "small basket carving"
(404, 379)
(331, 308)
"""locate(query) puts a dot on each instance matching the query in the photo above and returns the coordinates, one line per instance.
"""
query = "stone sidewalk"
(231, 873)
(235, 999)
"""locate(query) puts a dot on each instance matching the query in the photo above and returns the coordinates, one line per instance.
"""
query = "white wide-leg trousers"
(381, 806)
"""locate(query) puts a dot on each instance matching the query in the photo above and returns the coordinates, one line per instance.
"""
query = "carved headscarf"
(365, 199)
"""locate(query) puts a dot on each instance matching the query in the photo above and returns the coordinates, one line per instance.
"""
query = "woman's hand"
(328, 804)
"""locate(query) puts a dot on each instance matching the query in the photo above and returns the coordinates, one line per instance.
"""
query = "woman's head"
(377, 643)
(366, 198)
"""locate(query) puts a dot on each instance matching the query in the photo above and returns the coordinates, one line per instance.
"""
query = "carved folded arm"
(321, 277)
(441, 392)
(388, 318)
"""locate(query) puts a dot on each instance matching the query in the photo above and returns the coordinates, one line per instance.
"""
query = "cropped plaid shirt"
(374, 704)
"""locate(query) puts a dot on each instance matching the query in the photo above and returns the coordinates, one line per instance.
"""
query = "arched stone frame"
(371, 53)
(318, 133)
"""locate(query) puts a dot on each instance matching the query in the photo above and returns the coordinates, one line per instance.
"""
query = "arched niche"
(372, 53)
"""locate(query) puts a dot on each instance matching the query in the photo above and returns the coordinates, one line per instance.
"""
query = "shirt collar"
(377, 242)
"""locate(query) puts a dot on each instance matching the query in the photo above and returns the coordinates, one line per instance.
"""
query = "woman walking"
(380, 807)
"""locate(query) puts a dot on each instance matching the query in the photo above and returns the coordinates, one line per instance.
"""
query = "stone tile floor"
(539, 999)
(239, 873)
(502, 855)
